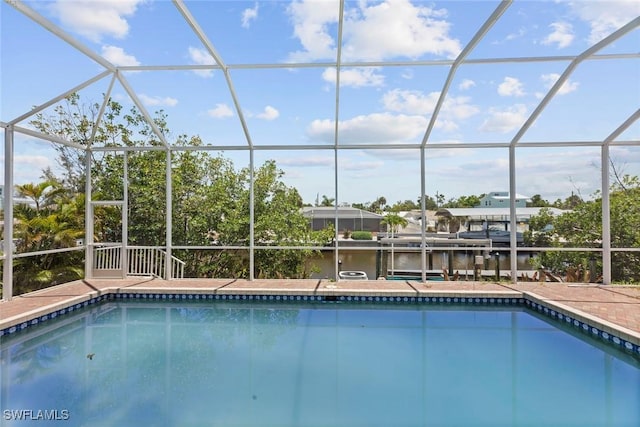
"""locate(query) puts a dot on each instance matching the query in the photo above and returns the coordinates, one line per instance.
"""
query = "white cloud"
(446, 125)
(372, 31)
(459, 107)
(410, 101)
(505, 120)
(562, 35)
(407, 74)
(415, 102)
(398, 28)
(269, 113)
(221, 111)
(96, 19)
(355, 77)
(201, 57)
(249, 15)
(510, 87)
(374, 128)
(305, 162)
(311, 20)
(604, 17)
(521, 32)
(28, 168)
(32, 162)
(466, 84)
(117, 56)
(564, 172)
(156, 101)
(354, 166)
(567, 87)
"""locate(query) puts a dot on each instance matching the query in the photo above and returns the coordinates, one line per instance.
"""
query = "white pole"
(169, 211)
(423, 209)
(125, 215)
(7, 271)
(606, 218)
(251, 216)
(513, 249)
(88, 217)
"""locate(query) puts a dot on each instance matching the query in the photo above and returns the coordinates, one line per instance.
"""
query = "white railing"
(107, 258)
(141, 261)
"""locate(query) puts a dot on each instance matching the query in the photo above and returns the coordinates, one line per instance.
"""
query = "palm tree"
(327, 201)
(42, 194)
(55, 220)
(394, 222)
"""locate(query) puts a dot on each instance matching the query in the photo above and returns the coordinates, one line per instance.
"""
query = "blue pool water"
(322, 364)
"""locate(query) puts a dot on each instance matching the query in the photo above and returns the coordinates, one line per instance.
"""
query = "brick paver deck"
(615, 308)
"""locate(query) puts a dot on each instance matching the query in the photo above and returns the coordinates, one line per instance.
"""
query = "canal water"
(372, 262)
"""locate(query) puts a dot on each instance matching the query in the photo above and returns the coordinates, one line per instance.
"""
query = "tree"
(55, 220)
(430, 203)
(568, 203)
(406, 205)
(540, 232)
(394, 222)
(463, 202)
(327, 201)
(582, 227)
(210, 197)
(537, 202)
(378, 205)
(74, 121)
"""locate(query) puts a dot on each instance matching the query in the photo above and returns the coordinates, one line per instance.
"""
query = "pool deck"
(614, 309)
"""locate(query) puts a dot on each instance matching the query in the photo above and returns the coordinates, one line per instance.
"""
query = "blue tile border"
(45, 317)
(568, 320)
(506, 301)
(585, 328)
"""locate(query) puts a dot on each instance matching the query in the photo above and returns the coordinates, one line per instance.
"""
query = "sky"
(396, 56)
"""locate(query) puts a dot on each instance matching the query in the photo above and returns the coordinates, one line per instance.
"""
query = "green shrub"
(361, 235)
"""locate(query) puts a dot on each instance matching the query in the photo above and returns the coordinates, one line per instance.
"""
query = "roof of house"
(505, 195)
(342, 212)
(493, 212)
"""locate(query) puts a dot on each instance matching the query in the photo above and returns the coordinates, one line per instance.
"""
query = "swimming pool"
(259, 363)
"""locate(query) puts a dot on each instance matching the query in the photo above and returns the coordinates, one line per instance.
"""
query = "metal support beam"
(50, 26)
(125, 214)
(495, 16)
(513, 241)
(568, 71)
(606, 218)
(169, 212)
(58, 98)
(336, 131)
(46, 137)
(423, 210)
(103, 107)
(252, 217)
(7, 270)
(191, 21)
(88, 217)
(336, 266)
(606, 203)
(145, 113)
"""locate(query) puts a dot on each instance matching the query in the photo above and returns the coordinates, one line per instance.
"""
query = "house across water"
(349, 218)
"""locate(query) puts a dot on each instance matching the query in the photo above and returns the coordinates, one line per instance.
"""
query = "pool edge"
(617, 335)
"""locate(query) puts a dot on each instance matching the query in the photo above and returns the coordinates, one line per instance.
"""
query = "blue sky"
(382, 102)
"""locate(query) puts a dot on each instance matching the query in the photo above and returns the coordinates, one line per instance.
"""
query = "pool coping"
(618, 336)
